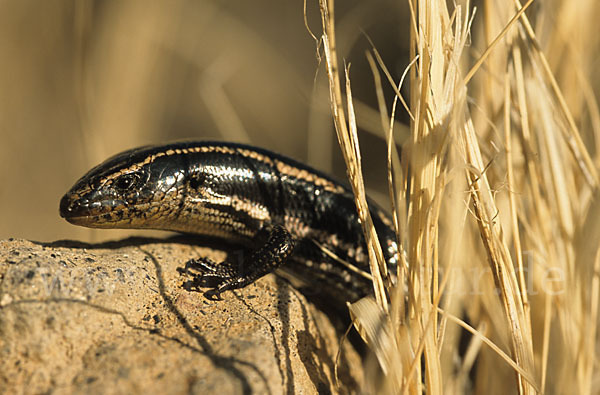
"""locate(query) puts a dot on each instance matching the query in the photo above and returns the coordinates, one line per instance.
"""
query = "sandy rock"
(115, 318)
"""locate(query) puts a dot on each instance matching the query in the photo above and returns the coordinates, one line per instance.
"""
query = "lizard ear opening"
(197, 179)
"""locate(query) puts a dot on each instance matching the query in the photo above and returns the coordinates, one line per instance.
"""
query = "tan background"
(82, 80)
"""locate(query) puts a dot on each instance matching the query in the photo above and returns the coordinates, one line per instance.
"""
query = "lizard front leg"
(227, 275)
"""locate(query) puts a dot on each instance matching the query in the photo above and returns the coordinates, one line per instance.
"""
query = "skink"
(282, 212)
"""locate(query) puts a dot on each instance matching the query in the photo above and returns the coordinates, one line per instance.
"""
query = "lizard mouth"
(86, 212)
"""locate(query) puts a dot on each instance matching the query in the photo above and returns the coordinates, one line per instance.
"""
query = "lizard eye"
(95, 184)
(127, 181)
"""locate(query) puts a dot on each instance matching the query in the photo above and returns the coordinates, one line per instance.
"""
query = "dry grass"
(495, 202)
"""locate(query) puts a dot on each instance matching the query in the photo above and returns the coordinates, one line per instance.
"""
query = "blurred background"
(83, 80)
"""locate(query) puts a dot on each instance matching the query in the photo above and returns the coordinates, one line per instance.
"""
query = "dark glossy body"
(238, 193)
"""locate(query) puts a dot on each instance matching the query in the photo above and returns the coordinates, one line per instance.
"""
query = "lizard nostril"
(65, 206)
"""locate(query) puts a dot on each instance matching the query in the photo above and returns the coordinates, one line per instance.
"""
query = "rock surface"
(115, 318)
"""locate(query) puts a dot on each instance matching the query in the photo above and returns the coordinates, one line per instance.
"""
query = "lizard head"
(125, 191)
(185, 187)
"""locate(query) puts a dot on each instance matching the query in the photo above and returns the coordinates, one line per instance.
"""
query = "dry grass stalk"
(348, 140)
